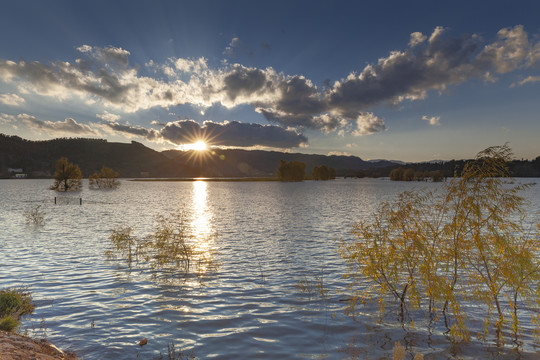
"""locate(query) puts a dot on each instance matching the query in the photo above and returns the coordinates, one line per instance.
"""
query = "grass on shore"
(14, 303)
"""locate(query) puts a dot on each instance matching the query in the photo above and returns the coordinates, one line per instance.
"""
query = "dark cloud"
(149, 134)
(232, 133)
(245, 81)
(235, 133)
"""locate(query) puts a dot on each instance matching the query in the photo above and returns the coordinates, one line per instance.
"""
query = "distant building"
(15, 170)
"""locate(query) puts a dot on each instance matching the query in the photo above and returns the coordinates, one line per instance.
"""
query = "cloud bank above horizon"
(292, 103)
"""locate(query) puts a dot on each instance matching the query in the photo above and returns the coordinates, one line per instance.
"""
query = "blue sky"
(411, 81)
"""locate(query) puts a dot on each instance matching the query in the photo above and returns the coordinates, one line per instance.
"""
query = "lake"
(265, 236)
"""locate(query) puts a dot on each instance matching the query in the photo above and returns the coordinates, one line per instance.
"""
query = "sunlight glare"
(199, 146)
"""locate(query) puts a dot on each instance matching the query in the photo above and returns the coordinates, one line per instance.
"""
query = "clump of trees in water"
(409, 174)
(469, 242)
(170, 251)
(68, 176)
(296, 171)
(107, 178)
(291, 171)
(323, 173)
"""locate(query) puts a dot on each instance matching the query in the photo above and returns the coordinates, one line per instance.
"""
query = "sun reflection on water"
(201, 227)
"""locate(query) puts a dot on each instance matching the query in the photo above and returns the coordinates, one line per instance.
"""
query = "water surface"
(266, 237)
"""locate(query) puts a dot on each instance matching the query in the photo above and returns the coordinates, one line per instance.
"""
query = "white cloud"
(11, 99)
(339, 153)
(229, 50)
(107, 116)
(368, 123)
(417, 38)
(56, 128)
(434, 120)
(529, 79)
(7, 119)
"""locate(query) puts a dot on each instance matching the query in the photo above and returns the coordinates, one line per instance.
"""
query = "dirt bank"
(17, 347)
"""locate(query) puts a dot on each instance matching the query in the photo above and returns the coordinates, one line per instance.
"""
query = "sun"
(199, 145)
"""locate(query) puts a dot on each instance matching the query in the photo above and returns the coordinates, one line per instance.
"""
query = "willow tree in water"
(67, 176)
(469, 242)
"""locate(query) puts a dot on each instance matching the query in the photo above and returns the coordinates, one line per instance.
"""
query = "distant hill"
(38, 159)
(235, 162)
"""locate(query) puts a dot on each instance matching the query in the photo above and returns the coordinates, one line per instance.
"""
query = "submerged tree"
(323, 173)
(170, 251)
(291, 171)
(67, 176)
(469, 242)
(107, 178)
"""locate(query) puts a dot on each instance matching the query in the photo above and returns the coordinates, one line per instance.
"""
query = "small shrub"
(8, 323)
(35, 216)
(14, 303)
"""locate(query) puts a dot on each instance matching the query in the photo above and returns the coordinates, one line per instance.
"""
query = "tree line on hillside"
(444, 169)
(68, 176)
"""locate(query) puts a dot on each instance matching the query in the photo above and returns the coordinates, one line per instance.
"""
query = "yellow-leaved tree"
(470, 242)
(107, 178)
(67, 176)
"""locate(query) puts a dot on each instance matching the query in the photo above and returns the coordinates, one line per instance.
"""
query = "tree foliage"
(107, 178)
(67, 176)
(291, 171)
(14, 303)
(409, 174)
(170, 251)
(469, 242)
(323, 173)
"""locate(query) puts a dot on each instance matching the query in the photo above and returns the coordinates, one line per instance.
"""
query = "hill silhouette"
(38, 158)
(134, 160)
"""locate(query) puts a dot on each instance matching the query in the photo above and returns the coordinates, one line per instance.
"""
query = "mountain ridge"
(38, 159)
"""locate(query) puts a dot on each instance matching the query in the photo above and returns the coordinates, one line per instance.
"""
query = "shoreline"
(14, 346)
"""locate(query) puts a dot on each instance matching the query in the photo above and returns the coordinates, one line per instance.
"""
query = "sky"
(396, 80)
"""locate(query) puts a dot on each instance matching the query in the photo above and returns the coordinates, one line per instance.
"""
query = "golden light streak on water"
(201, 227)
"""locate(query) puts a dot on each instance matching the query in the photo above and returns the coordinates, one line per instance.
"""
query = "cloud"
(529, 79)
(368, 123)
(417, 38)
(149, 134)
(229, 133)
(339, 153)
(7, 119)
(431, 62)
(107, 116)
(56, 128)
(229, 50)
(11, 99)
(434, 120)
